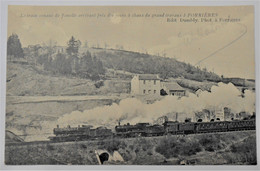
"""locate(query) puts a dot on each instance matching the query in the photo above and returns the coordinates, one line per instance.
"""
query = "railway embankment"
(212, 149)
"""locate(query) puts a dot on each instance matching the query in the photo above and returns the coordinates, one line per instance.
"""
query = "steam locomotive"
(85, 132)
(80, 133)
(139, 129)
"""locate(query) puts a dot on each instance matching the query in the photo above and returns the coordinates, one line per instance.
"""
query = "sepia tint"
(100, 85)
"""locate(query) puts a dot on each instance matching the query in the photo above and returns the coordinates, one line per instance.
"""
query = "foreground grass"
(234, 148)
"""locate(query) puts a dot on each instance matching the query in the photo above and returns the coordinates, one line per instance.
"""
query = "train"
(86, 132)
(80, 133)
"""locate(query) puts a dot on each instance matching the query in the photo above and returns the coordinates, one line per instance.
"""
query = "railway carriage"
(204, 127)
(186, 128)
(241, 125)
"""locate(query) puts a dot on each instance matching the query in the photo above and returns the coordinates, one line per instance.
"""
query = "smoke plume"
(133, 110)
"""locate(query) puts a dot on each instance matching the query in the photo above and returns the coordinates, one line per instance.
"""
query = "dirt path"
(38, 99)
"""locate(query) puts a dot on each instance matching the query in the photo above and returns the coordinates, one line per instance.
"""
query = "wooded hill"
(141, 63)
(92, 63)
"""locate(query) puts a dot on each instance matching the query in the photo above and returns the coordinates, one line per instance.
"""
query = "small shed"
(173, 89)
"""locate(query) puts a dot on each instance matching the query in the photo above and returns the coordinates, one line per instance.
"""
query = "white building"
(145, 84)
(149, 84)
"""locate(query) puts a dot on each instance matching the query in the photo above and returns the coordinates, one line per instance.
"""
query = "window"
(154, 91)
(144, 81)
(149, 91)
(144, 91)
(154, 82)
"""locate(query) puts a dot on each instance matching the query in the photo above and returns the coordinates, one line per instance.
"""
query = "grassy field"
(28, 80)
(231, 148)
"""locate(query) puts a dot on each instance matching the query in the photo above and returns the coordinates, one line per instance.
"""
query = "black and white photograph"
(130, 85)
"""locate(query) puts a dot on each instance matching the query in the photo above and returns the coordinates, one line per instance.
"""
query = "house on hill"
(173, 89)
(149, 84)
(145, 84)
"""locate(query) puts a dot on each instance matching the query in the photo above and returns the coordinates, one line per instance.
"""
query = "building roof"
(148, 77)
(173, 86)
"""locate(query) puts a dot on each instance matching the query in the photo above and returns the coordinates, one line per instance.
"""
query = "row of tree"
(70, 61)
(85, 67)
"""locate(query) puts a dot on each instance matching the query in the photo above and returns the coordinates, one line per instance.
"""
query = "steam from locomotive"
(133, 110)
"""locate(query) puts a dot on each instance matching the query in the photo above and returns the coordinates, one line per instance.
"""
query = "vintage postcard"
(130, 85)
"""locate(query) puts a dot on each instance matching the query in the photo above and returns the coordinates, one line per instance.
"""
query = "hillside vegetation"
(93, 62)
(141, 63)
(231, 148)
(81, 70)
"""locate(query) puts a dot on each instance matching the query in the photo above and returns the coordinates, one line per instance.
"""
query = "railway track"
(111, 139)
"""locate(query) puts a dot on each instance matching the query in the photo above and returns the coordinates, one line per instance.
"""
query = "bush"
(245, 152)
(99, 84)
(126, 155)
(131, 147)
(137, 150)
(84, 146)
(144, 148)
(113, 145)
(210, 142)
(149, 153)
(191, 148)
(172, 147)
(50, 147)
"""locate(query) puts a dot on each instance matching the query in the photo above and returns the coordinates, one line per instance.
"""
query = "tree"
(86, 64)
(61, 64)
(91, 67)
(97, 68)
(35, 53)
(50, 45)
(14, 46)
(72, 50)
(73, 47)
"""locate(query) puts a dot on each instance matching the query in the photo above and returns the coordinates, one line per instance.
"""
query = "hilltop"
(143, 63)
(119, 65)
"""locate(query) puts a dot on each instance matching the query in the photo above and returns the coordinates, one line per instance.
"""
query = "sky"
(226, 48)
